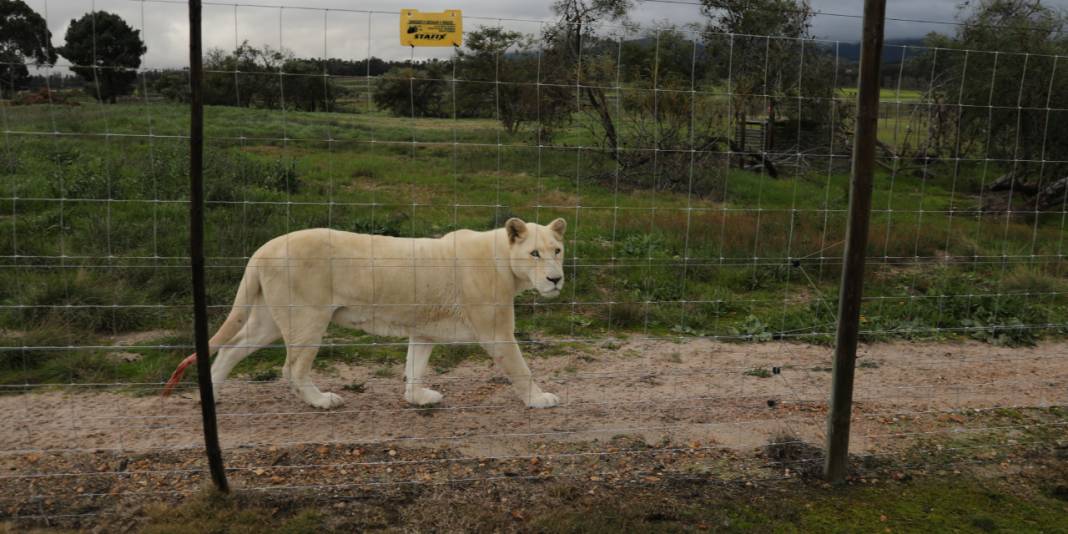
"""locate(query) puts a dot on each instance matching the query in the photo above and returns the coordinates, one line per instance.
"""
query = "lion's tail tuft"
(176, 376)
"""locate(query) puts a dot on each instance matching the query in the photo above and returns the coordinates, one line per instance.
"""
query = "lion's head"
(537, 254)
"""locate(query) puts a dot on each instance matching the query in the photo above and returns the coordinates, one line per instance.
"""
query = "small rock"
(123, 357)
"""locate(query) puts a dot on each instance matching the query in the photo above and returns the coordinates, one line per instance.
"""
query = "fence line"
(669, 330)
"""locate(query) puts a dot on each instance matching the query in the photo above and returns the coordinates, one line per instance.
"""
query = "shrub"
(407, 92)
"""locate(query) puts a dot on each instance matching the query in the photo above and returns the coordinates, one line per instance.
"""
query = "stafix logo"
(430, 36)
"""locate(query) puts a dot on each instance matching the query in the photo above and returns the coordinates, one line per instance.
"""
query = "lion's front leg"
(506, 355)
(414, 372)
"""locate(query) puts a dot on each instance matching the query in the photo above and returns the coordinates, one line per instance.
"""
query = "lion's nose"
(555, 280)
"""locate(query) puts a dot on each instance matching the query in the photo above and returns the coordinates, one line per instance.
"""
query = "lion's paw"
(327, 401)
(423, 397)
(543, 400)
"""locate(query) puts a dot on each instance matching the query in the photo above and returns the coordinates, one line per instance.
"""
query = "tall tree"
(497, 72)
(766, 53)
(996, 89)
(570, 44)
(23, 35)
(1023, 86)
(105, 52)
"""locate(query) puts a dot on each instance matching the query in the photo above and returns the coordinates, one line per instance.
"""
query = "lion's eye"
(557, 251)
(535, 254)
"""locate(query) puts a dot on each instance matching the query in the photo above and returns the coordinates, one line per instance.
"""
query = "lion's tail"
(246, 294)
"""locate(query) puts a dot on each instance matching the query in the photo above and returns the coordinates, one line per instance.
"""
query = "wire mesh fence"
(703, 178)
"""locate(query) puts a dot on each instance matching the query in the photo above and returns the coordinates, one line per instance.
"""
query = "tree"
(573, 52)
(105, 52)
(172, 84)
(480, 65)
(964, 77)
(246, 77)
(770, 61)
(305, 86)
(24, 35)
(254, 77)
(497, 71)
(653, 130)
(414, 91)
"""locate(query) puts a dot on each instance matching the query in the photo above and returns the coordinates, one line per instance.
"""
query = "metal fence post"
(852, 287)
(196, 250)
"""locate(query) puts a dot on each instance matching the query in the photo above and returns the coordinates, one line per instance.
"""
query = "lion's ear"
(558, 227)
(516, 228)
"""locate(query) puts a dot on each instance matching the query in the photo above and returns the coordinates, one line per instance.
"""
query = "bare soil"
(696, 390)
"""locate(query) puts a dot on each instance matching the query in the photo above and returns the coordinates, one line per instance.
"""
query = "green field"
(93, 228)
(889, 94)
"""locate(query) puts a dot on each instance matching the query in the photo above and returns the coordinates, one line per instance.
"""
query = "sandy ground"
(681, 392)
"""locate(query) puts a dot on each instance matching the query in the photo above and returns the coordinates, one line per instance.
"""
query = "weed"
(759, 372)
(281, 175)
(266, 375)
(210, 511)
(355, 387)
(753, 329)
(642, 246)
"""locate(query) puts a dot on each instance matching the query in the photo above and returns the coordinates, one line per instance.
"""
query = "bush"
(81, 300)
(407, 92)
(258, 83)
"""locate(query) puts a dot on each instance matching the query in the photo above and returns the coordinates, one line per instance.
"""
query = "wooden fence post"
(852, 288)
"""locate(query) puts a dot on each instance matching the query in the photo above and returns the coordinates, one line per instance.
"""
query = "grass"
(209, 512)
(954, 503)
(930, 506)
(108, 259)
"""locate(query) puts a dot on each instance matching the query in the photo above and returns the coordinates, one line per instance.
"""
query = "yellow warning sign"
(431, 29)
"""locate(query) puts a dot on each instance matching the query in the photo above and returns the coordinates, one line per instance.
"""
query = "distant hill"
(891, 50)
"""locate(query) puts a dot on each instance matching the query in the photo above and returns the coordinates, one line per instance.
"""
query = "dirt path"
(697, 391)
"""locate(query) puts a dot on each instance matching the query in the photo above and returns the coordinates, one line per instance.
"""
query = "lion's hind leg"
(259, 331)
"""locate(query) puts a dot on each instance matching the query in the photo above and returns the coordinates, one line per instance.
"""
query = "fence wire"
(704, 180)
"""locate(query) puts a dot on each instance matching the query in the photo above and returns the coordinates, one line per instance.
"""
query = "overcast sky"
(308, 32)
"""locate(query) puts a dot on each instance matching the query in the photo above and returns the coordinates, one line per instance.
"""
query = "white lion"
(458, 288)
